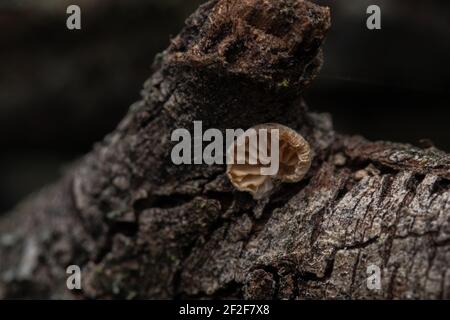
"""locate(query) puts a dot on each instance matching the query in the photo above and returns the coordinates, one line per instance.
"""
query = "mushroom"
(294, 159)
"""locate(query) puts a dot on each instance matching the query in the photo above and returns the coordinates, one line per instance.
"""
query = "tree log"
(141, 227)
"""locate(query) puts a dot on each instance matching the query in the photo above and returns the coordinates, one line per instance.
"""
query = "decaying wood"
(141, 227)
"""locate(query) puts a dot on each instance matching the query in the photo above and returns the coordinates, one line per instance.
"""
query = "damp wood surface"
(141, 227)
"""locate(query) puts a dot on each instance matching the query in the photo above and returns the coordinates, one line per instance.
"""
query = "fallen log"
(141, 227)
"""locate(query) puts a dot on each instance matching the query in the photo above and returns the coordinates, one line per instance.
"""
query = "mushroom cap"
(294, 161)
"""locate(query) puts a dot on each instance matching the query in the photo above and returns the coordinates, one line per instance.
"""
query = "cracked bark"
(141, 227)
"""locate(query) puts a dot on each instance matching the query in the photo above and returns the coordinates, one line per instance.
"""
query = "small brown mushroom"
(294, 159)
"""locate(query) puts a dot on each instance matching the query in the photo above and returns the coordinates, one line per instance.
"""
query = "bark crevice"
(141, 227)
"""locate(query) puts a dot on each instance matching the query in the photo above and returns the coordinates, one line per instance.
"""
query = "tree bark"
(141, 227)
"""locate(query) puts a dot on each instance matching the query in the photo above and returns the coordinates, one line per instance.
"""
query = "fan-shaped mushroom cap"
(294, 155)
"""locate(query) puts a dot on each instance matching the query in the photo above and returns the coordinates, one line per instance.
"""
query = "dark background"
(61, 90)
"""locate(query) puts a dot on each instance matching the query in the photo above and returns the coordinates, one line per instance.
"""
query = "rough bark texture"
(141, 227)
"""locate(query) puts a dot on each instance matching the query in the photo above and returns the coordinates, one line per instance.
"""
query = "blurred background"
(61, 90)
